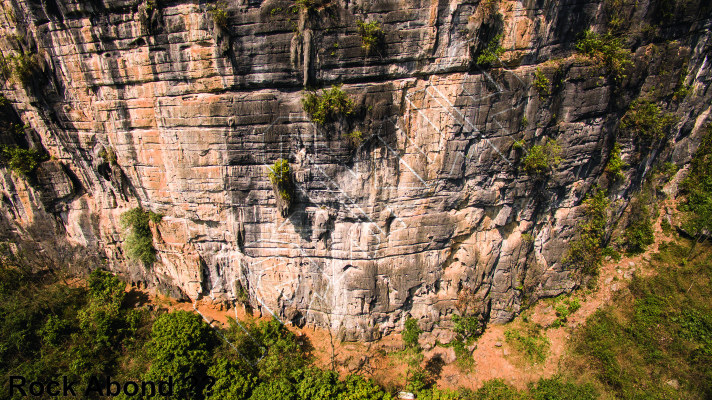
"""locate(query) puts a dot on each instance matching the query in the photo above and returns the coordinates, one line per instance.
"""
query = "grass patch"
(327, 107)
(659, 332)
(529, 342)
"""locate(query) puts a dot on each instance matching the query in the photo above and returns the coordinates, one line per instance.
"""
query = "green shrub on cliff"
(607, 49)
(697, 192)
(586, 252)
(615, 163)
(217, 11)
(541, 158)
(647, 121)
(20, 160)
(281, 176)
(328, 106)
(139, 243)
(541, 83)
(371, 34)
(491, 53)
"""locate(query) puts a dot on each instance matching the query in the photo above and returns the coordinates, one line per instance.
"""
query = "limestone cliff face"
(423, 217)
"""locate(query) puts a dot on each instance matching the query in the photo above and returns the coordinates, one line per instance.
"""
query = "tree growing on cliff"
(139, 243)
(371, 35)
(585, 252)
(542, 158)
(606, 49)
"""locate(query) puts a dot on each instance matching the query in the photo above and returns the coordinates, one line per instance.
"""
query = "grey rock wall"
(424, 218)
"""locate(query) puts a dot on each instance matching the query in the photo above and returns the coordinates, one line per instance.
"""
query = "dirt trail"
(494, 358)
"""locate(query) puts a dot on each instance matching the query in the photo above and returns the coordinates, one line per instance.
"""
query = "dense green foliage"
(180, 347)
(491, 53)
(541, 83)
(49, 328)
(607, 49)
(697, 190)
(585, 252)
(411, 332)
(20, 160)
(542, 158)
(660, 331)
(327, 107)
(615, 165)
(466, 327)
(371, 35)
(646, 121)
(139, 243)
(555, 388)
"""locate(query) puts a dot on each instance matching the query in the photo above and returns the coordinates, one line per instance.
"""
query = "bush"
(355, 138)
(328, 106)
(541, 83)
(371, 35)
(231, 382)
(491, 52)
(615, 163)
(411, 332)
(466, 327)
(639, 232)
(542, 158)
(606, 49)
(139, 243)
(20, 160)
(280, 176)
(24, 67)
(585, 252)
(647, 121)
(219, 14)
(180, 347)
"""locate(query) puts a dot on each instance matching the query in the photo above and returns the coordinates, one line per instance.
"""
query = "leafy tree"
(615, 164)
(316, 384)
(180, 347)
(277, 388)
(231, 382)
(411, 332)
(20, 160)
(284, 355)
(541, 83)
(359, 388)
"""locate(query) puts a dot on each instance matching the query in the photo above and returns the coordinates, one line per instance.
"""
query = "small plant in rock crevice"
(371, 35)
(541, 84)
(280, 176)
(492, 52)
(20, 160)
(219, 15)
